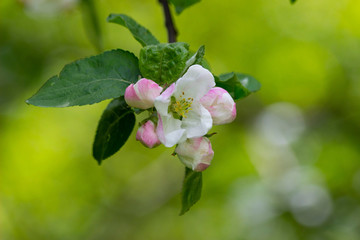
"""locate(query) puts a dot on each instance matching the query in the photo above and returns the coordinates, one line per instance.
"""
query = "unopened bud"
(147, 136)
(142, 94)
(195, 153)
(220, 105)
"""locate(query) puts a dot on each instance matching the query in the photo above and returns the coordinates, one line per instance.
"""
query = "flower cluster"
(182, 114)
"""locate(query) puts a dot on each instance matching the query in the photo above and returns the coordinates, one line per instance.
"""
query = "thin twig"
(169, 23)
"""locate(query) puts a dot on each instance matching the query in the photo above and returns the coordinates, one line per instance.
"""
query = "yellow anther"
(180, 107)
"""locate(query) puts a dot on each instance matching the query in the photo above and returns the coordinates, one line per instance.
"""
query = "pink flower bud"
(195, 153)
(220, 105)
(147, 136)
(142, 94)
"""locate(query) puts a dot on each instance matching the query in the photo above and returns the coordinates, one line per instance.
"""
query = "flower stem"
(169, 23)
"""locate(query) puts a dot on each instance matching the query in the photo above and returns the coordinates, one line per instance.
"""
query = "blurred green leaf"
(165, 62)
(237, 84)
(89, 80)
(191, 191)
(181, 5)
(114, 128)
(141, 34)
(91, 23)
(292, 1)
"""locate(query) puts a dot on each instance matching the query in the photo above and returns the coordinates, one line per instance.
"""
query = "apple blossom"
(220, 105)
(142, 94)
(181, 114)
(147, 136)
(195, 153)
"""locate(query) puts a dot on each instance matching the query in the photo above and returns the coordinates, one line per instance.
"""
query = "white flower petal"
(195, 83)
(169, 131)
(162, 102)
(198, 121)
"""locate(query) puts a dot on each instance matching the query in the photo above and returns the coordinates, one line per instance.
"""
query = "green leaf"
(165, 62)
(115, 127)
(141, 34)
(180, 5)
(91, 23)
(89, 80)
(292, 1)
(237, 84)
(197, 58)
(191, 191)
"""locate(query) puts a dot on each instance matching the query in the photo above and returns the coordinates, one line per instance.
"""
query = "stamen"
(180, 107)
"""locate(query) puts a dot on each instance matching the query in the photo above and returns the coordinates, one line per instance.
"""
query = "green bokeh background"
(287, 168)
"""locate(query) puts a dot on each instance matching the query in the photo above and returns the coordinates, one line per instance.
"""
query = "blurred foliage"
(287, 168)
(91, 23)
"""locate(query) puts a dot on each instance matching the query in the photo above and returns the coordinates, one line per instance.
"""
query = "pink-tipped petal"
(147, 136)
(131, 98)
(147, 91)
(233, 113)
(201, 167)
(162, 102)
(220, 105)
(160, 130)
(195, 153)
(142, 94)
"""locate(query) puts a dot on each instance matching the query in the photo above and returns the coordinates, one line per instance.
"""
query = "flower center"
(180, 107)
